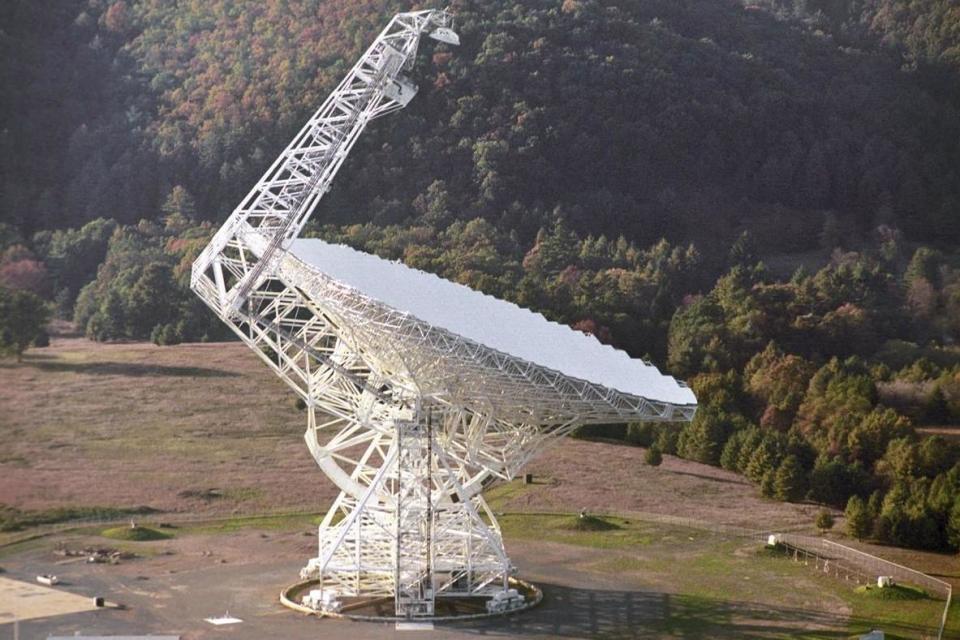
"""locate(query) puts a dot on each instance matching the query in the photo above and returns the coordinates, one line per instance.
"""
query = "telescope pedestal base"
(448, 608)
(410, 537)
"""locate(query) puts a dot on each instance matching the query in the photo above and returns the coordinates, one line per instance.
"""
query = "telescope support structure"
(409, 421)
(411, 536)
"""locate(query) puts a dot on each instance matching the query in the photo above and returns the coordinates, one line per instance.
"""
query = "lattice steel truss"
(409, 421)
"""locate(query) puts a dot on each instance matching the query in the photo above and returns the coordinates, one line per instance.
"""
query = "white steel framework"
(410, 421)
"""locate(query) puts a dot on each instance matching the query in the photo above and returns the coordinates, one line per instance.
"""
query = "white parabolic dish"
(418, 392)
(491, 322)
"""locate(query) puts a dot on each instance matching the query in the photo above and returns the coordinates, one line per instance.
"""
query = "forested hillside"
(647, 118)
(763, 197)
(920, 32)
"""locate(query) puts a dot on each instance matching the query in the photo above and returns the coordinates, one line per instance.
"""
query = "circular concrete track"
(354, 608)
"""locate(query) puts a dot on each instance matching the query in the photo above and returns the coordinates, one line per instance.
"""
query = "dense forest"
(763, 197)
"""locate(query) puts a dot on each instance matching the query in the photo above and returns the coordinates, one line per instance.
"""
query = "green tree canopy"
(23, 318)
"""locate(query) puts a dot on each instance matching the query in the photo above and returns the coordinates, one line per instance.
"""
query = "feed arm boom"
(243, 251)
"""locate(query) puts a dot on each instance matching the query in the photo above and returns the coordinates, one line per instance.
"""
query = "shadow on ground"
(585, 613)
(131, 369)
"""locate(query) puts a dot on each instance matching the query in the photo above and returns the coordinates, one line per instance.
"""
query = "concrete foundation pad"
(26, 601)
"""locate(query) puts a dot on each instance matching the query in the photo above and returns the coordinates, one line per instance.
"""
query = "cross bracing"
(409, 420)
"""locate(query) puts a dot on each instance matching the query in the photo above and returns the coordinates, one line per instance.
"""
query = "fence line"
(875, 567)
(832, 558)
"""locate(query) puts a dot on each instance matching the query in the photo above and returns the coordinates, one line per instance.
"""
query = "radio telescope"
(419, 392)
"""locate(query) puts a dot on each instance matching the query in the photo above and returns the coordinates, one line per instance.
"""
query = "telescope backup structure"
(419, 392)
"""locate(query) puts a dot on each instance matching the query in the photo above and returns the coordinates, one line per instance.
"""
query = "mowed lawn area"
(724, 587)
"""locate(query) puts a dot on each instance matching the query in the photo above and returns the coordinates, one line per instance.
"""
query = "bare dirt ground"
(177, 583)
(950, 432)
(94, 424)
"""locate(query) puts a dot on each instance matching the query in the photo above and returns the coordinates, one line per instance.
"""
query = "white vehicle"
(48, 579)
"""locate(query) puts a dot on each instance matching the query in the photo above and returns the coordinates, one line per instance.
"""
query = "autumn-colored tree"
(25, 274)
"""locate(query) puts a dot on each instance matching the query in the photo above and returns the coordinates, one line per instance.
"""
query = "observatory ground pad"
(649, 581)
(26, 601)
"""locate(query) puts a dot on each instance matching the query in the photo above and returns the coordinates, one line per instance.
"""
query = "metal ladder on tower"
(415, 589)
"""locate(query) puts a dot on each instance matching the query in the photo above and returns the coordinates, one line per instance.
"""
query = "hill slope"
(648, 118)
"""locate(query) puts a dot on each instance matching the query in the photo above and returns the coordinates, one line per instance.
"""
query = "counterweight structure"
(419, 392)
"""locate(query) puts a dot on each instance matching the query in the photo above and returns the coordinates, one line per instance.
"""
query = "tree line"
(812, 386)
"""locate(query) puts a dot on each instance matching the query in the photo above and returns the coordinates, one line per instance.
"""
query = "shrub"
(135, 534)
(654, 457)
(23, 318)
(641, 434)
(584, 522)
(824, 520)
(790, 480)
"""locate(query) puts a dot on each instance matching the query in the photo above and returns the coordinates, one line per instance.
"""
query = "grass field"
(710, 573)
(135, 534)
(199, 428)
(207, 428)
(207, 437)
(723, 583)
(709, 584)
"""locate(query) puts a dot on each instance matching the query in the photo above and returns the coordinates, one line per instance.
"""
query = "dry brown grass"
(84, 423)
(614, 478)
(127, 424)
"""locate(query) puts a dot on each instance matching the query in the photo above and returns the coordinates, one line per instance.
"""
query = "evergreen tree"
(830, 232)
(743, 251)
(902, 456)
(704, 437)
(790, 482)
(667, 441)
(953, 525)
(179, 208)
(731, 451)
(935, 408)
(768, 484)
(641, 434)
(875, 503)
(859, 520)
